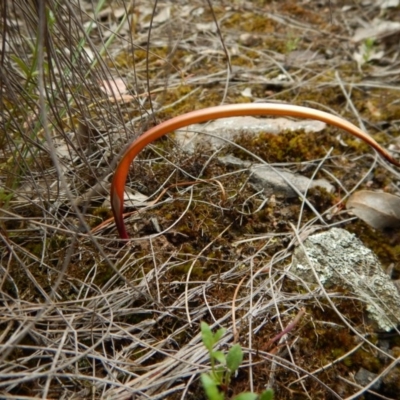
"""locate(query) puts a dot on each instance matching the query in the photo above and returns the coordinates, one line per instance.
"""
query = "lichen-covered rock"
(339, 259)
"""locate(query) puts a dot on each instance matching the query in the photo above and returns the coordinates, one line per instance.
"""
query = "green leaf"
(51, 19)
(267, 395)
(207, 336)
(218, 335)
(219, 356)
(246, 396)
(218, 374)
(234, 357)
(22, 65)
(211, 388)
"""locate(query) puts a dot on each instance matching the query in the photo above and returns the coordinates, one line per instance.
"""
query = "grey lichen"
(339, 259)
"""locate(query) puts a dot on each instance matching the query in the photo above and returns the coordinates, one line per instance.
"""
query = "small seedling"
(368, 48)
(223, 366)
(292, 43)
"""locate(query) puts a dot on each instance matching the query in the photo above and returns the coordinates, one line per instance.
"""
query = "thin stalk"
(206, 114)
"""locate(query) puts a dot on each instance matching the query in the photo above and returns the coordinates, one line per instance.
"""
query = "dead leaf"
(116, 89)
(246, 92)
(377, 29)
(379, 210)
(207, 27)
(111, 13)
(124, 98)
(89, 54)
(383, 4)
(249, 39)
(162, 16)
(132, 199)
(113, 87)
(366, 54)
(373, 110)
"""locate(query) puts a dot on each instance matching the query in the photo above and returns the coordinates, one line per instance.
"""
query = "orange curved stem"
(206, 114)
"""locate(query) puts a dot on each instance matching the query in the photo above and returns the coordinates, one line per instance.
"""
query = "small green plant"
(223, 367)
(368, 48)
(292, 43)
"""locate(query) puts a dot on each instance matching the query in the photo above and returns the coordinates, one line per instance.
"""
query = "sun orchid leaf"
(246, 396)
(267, 395)
(218, 335)
(113, 87)
(218, 374)
(207, 336)
(234, 357)
(211, 388)
(219, 356)
(22, 65)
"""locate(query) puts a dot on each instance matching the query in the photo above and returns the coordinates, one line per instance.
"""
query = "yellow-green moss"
(249, 22)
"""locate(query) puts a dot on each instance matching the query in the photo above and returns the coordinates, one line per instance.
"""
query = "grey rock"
(276, 180)
(230, 128)
(280, 181)
(339, 259)
(233, 161)
(364, 377)
(383, 355)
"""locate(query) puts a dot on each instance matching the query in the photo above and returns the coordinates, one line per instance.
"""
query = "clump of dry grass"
(85, 316)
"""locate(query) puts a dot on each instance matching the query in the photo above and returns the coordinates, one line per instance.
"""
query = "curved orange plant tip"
(206, 114)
